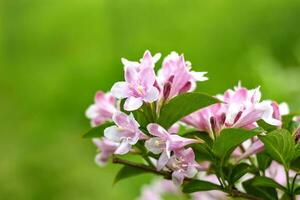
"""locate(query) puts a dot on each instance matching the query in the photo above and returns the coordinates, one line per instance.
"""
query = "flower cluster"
(129, 120)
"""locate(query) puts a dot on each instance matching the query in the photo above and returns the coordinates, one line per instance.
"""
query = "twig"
(165, 174)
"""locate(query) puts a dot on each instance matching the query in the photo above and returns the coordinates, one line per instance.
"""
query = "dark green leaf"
(263, 161)
(288, 119)
(279, 144)
(266, 126)
(202, 135)
(229, 139)
(295, 164)
(267, 193)
(199, 185)
(202, 152)
(97, 131)
(297, 151)
(127, 172)
(183, 105)
(297, 190)
(239, 171)
(262, 181)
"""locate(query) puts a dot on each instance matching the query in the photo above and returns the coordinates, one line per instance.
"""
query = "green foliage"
(97, 131)
(239, 171)
(266, 193)
(183, 105)
(279, 144)
(263, 161)
(262, 181)
(127, 172)
(199, 185)
(229, 139)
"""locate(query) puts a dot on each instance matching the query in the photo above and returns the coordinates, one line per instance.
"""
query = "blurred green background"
(55, 54)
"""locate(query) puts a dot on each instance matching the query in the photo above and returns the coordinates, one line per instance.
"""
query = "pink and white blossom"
(244, 108)
(164, 143)
(210, 119)
(106, 148)
(175, 76)
(183, 164)
(103, 108)
(126, 132)
(138, 86)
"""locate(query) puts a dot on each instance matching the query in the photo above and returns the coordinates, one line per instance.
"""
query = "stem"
(146, 168)
(293, 183)
(288, 180)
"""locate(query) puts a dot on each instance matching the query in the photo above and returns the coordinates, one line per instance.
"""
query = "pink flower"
(103, 108)
(210, 119)
(106, 148)
(126, 132)
(139, 83)
(157, 189)
(183, 165)
(175, 76)
(244, 108)
(164, 143)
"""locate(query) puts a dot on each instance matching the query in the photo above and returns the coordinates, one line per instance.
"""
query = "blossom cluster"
(169, 151)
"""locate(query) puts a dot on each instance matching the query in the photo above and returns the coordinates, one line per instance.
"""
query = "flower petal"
(120, 90)
(157, 130)
(162, 161)
(123, 148)
(113, 133)
(152, 94)
(132, 103)
(177, 178)
(131, 74)
(152, 145)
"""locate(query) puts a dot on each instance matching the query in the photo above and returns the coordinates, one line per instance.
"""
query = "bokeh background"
(55, 54)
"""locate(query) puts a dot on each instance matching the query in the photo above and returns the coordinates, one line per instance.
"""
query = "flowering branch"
(236, 137)
(146, 168)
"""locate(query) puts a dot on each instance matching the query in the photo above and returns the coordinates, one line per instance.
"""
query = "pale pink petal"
(99, 96)
(255, 148)
(199, 76)
(152, 94)
(91, 112)
(120, 90)
(191, 171)
(123, 148)
(132, 103)
(131, 74)
(162, 161)
(113, 133)
(157, 130)
(147, 76)
(177, 178)
(121, 119)
(153, 145)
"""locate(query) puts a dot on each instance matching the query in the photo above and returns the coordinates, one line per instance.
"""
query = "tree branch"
(165, 174)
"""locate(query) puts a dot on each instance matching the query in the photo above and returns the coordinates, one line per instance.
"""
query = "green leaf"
(297, 190)
(199, 185)
(297, 151)
(262, 181)
(202, 152)
(127, 172)
(239, 171)
(267, 127)
(199, 134)
(263, 161)
(279, 144)
(229, 139)
(97, 131)
(183, 105)
(267, 193)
